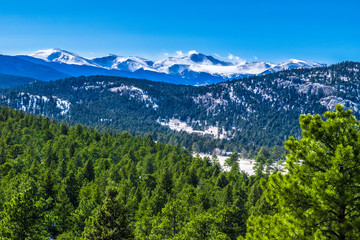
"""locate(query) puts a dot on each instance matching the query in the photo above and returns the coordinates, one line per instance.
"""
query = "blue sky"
(323, 31)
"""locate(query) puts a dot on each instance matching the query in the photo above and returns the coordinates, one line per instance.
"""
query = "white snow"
(64, 105)
(246, 165)
(131, 64)
(331, 101)
(35, 102)
(211, 102)
(212, 131)
(61, 56)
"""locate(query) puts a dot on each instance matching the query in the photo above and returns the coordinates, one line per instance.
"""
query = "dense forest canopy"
(66, 182)
(73, 182)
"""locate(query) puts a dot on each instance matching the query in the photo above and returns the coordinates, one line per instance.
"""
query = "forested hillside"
(63, 182)
(239, 115)
(8, 81)
(67, 182)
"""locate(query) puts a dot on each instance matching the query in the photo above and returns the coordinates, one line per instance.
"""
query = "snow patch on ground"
(63, 105)
(36, 104)
(246, 165)
(211, 102)
(308, 87)
(211, 131)
(135, 93)
(330, 103)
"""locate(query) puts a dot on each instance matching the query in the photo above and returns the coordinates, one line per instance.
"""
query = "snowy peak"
(60, 56)
(130, 64)
(292, 64)
(296, 63)
(191, 58)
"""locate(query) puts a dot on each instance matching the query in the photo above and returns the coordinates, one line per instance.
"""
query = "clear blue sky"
(324, 31)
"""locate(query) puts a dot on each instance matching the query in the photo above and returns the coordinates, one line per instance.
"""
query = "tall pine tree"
(110, 222)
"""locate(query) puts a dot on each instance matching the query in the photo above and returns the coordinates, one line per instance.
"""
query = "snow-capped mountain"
(190, 68)
(175, 65)
(292, 64)
(61, 56)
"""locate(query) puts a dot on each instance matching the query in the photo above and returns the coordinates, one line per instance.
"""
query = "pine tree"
(62, 211)
(203, 227)
(171, 220)
(89, 172)
(72, 188)
(22, 218)
(165, 181)
(319, 196)
(110, 222)
(234, 158)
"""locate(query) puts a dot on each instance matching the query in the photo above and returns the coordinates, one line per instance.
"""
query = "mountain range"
(192, 68)
(255, 110)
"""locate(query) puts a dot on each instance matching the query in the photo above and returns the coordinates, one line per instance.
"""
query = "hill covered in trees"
(76, 183)
(238, 115)
(8, 81)
(67, 182)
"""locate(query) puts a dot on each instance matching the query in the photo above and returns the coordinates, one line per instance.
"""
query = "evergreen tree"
(89, 172)
(62, 211)
(110, 222)
(170, 221)
(72, 188)
(203, 227)
(234, 158)
(22, 218)
(165, 181)
(318, 198)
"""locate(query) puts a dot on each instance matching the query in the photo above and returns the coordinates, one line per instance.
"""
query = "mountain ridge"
(192, 68)
(257, 110)
(194, 61)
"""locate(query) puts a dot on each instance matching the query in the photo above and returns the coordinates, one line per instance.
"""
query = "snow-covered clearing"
(178, 125)
(245, 165)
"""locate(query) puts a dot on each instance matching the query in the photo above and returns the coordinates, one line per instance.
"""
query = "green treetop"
(110, 222)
